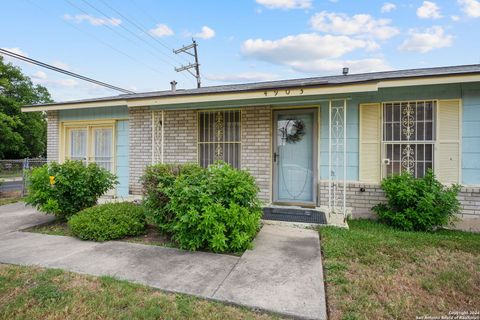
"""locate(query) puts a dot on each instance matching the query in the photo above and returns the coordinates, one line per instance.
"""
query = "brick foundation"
(361, 202)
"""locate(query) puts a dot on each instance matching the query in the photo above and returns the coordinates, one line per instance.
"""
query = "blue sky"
(239, 41)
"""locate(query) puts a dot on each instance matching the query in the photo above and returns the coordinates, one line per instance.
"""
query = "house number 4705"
(286, 92)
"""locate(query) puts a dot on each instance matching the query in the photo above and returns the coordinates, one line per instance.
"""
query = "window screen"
(409, 136)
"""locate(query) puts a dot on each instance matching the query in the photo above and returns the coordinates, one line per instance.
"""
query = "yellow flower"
(52, 180)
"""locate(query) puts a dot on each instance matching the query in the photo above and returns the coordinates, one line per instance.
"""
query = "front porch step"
(294, 214)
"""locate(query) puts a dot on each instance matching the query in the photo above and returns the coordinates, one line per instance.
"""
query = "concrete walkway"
(282, 274)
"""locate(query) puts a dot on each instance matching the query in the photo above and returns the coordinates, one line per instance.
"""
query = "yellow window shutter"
(370, 126)
(448, 141)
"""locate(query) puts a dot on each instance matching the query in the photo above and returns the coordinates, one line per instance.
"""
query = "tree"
(21, 134)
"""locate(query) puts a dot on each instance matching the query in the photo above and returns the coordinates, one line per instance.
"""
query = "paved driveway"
(282, 274)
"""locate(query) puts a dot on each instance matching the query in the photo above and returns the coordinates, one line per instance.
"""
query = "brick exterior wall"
(180, 136)
(53, 136)
(256, 147)
(180, 141)
(140, 133)
(361, 202)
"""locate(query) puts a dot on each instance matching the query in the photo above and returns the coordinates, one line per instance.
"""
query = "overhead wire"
(69, 73)
(154, 53)
(142, 29)
(153, 69)
(115, 31)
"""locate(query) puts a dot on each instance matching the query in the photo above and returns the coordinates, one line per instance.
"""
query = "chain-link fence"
(13, 182)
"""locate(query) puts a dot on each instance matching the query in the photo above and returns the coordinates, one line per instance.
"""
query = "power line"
(140, 27)
(126, 29)
(104, 42)
(69, 73)
(154, 53)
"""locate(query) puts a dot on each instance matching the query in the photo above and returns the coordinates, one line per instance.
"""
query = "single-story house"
(313, 142)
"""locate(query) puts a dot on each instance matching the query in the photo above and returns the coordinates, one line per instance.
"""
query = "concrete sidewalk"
(282, 274)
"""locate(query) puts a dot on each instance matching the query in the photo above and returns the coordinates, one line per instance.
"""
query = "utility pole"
(196, 65)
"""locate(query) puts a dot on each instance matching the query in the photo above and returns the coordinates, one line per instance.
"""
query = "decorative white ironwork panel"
(219, 137)
(157, 137)
(337, 156)
(409, 136)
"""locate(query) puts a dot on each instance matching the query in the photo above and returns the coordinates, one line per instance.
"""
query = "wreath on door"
(293, 131)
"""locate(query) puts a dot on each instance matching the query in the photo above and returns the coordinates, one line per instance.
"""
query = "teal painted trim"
(352, 141)
(471, 134)
(120, 112)
(122, 157)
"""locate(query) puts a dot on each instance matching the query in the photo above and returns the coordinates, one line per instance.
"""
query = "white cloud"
(242, 77)
(425, 41)
(455, 18)
(17, 51)
(42, 78)
(359, 24)
(286, 4)
(13, 60)
(387, 7)
(313, 53)
(470, 7)
(303, 46)
(336, 66)
(429, 10)
(94, 21)
(40, 75)
(61, 65)
(206, 33)
(161, 30)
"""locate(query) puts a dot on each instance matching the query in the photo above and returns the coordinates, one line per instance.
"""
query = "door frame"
(276, 112)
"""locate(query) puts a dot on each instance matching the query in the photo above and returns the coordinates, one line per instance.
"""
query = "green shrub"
(108, 221)
(417, 204)
(156, 179)
(75, 187)
(215, 209)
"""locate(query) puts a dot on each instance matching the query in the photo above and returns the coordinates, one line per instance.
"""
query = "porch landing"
(301, 216)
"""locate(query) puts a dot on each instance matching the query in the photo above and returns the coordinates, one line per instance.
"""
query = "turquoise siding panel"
(121, 139)
(120, 112)
(352, 141)
(122, 158)
(471, 134)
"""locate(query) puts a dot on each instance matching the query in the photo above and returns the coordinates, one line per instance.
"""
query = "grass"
(11, 174)
(37, 293)
(4, 201)
(151, 237)
(375, 272)
(56, 228)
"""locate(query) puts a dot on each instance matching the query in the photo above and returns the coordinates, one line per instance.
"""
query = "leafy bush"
(75, 187)
(156, 179)
(108, 221)
(215, 209)
(417, 204)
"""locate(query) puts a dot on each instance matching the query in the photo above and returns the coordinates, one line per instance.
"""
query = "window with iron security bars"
(219, 137)
(409, 137)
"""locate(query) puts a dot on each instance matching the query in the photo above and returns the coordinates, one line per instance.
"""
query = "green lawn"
(4, 201)
(151, 237)
(375, 272)
(37, 293)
